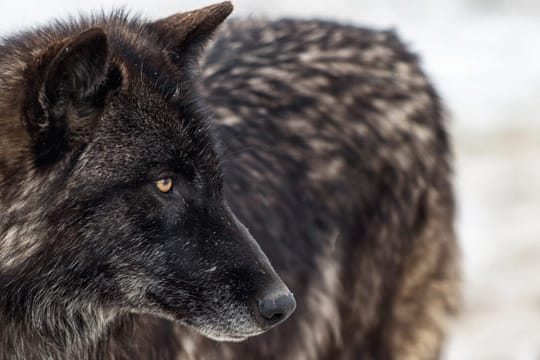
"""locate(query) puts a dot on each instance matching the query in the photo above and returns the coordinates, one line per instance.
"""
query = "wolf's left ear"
(66, 87)
(185, 34)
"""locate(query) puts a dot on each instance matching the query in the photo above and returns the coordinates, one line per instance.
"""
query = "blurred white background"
(484, 56)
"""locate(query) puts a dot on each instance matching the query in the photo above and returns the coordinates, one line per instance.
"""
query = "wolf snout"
(273, 307)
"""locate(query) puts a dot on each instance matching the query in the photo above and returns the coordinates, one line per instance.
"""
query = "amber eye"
(164, 185)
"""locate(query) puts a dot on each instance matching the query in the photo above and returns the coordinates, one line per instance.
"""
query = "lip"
(233, 338)
(230, 337)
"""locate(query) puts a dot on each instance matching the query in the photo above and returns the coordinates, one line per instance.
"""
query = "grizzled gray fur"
(156, 197)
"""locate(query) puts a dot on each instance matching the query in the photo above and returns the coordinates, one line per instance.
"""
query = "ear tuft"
(64, 86)
(79, 66)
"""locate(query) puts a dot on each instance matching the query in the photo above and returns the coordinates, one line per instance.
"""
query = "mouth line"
(223, 335)
(229, 338)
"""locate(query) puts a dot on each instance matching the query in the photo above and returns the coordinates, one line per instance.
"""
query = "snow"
(484, 56)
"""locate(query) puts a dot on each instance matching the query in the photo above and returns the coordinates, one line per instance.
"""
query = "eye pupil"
(164, 185)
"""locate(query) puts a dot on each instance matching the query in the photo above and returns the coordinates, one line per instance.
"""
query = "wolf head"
(122, 205)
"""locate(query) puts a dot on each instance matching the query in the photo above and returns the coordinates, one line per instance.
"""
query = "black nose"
(275, 307)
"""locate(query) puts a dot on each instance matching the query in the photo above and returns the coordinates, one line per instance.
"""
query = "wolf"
(167, 185)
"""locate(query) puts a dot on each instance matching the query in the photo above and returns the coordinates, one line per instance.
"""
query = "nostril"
(274, 308)
(269, 310)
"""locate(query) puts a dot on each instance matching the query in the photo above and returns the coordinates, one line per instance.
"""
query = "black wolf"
(136, 170)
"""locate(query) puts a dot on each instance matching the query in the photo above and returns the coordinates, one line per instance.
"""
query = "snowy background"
(484, 56)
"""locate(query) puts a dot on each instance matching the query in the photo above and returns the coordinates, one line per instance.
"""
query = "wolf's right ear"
(185, 34)
(66, 86)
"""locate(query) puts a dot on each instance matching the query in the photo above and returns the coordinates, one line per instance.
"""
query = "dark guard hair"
(127, 173)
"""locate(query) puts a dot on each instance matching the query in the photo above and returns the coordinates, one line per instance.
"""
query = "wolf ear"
(185, 34)
(66, 85)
